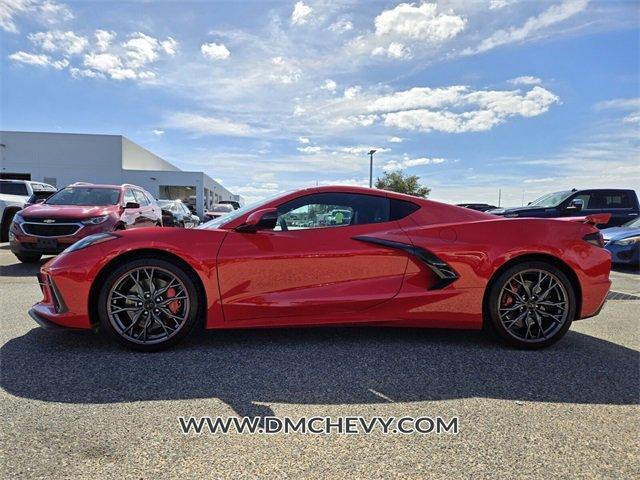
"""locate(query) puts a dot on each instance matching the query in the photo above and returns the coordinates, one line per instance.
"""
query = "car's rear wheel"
(531, 305)
(148, 304)
(28, 257)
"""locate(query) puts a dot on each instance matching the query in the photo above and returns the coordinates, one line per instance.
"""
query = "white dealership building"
(64, 158)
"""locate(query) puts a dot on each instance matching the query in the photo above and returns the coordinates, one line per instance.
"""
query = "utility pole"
(499, 196)
(371, 152)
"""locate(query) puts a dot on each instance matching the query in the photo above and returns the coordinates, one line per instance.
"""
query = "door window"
(128, 196)
(330, 210)
(141, 198)
(616, 199)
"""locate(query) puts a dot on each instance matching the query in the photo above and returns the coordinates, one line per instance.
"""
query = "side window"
(150, 198)
(184, 208)
(587, 198)
(141, 198)
(401, 209)
(616, 199)
(128, 196)
(328, 210)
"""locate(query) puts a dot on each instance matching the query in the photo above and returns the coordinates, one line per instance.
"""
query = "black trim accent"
(43, 322)
(445, 273)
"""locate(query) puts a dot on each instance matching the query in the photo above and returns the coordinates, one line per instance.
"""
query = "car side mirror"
(576, 205)
(129, 205)
(265, 219)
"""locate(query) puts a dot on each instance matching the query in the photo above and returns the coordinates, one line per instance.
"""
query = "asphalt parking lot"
(78, 406)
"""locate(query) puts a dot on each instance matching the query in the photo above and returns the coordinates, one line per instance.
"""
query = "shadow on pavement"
(318, 366)
(20, 269)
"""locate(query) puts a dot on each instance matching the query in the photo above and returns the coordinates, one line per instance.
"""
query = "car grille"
(58, 229)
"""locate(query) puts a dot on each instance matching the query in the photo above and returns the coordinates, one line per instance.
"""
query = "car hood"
(13, 200)
(67, 211)
(618, 233)
(505, 210)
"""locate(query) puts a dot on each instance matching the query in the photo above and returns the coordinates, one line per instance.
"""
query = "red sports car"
(332, 256)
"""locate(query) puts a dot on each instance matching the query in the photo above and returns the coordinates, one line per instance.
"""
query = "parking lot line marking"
(381, 395)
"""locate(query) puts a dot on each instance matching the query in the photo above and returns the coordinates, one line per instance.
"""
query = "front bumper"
(21, 242)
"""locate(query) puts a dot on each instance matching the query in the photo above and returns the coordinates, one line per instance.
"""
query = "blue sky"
(472, 96)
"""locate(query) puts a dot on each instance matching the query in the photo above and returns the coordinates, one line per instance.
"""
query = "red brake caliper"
(175, 305)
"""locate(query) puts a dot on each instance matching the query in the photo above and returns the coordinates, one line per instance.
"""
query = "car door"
(130, 216)
(147, 216)
(312, 263)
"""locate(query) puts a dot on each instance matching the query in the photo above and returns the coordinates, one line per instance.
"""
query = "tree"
(398, 182)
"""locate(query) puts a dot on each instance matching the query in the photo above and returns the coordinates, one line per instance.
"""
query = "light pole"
(371, 152)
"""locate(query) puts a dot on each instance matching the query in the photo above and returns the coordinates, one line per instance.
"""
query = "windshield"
(165, 203)
(85, 196)
(633, 223)
(218, 222)
(550, 199)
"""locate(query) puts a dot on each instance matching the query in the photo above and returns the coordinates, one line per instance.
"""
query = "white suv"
(14, 194)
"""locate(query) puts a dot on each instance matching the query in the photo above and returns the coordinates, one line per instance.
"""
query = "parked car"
(480, 207)
(15, 195)
(176, 214)
(621, 204)
(400, 261)
(217, 210)
(233, 203)
(624, 243)
(77, 211)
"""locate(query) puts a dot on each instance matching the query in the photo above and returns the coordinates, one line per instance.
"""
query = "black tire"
(28, 257)
(556, 318)
(113, 325)
(6, 225)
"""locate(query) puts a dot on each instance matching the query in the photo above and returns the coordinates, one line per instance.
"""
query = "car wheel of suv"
(531, 305)
(28, 257)
(148, 304)
(6, 225)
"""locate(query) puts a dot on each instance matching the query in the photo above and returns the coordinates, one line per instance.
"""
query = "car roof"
(104, 185)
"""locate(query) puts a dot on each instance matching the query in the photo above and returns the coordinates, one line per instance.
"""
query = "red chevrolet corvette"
(332, 256)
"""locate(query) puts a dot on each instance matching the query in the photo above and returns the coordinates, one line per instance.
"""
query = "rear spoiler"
(595, 219)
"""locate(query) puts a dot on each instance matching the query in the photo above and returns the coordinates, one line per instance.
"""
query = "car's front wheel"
(531, 305)
(148, 304)
(28, 257)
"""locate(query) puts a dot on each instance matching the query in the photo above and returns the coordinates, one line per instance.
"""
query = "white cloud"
(104, 39)
(102, 62)
(394, 50)
(395, 140)
(303, 140)
(300, 14)
(141, 50)
(208, 125)
(408, 162)
(426, 109)
(422, 22)
(84, 73)
(525, 80)
(341, 25)
(310, 149)
(498, 4)
(39, 60)
(157, 132)
(329, 85)
(215, 51)
(45, 12)
(169, 46)
(352, 92)
(67, 43)
(551, 16)
(619, 104)
(539, 180)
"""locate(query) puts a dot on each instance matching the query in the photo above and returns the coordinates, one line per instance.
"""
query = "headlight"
(628, 241)
(17, 219)
(95, 220)
(91, 240)
(510, 215)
